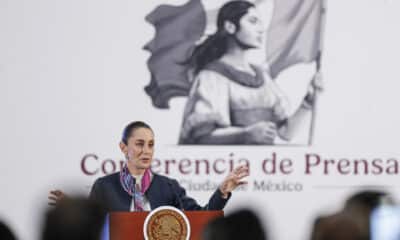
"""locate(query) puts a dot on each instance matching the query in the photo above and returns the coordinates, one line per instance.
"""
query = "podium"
(129, 225)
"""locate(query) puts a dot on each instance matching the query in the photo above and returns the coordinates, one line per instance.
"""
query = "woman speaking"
(137, 188)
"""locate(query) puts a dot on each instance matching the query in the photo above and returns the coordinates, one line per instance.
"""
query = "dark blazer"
(163, 191)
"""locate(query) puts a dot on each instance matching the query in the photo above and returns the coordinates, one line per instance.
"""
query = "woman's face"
(140, 148)
(251, 29)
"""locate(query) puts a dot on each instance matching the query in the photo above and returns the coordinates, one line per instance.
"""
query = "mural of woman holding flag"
(231, 100)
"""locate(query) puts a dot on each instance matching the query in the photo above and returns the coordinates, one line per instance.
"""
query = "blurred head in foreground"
(74, 218)
(243, 224)
(353, 221)
(5, 232)
(339, 226)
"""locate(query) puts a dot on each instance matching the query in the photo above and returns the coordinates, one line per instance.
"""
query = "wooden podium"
(129, 225)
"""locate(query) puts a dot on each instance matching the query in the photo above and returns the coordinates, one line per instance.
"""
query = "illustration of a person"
(231, 100)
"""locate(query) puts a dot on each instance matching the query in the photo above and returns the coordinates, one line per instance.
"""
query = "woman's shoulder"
(161, 180)
(111, 178)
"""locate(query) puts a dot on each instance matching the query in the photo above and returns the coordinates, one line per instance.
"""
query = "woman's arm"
(296, 121)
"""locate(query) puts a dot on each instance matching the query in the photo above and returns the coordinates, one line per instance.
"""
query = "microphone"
(180, 204)
(134, 194)
(134, 185)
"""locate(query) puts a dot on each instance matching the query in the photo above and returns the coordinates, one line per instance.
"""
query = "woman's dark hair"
(216, 45)
(126, 134)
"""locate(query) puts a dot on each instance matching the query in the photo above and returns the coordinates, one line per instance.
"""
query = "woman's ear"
(229, 27)
(124, 148)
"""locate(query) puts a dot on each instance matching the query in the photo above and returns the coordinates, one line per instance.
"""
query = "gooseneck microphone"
(134, 194)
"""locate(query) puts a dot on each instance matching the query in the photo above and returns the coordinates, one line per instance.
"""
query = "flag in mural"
(293, 36)
(177, 29)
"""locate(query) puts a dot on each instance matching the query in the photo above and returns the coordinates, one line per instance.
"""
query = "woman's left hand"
(316, 86)
(55, 196)
(233, 180)
(317, 83)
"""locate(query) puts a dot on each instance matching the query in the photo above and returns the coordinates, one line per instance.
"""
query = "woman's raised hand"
(233, 180)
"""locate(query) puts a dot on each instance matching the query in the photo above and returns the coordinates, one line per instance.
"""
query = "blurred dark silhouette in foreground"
(243, 224)
(353, 221)
(5, 232)
(74, 218)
